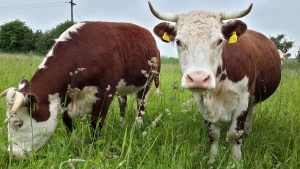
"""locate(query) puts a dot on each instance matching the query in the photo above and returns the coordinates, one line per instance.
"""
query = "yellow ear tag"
(166, 37)
(35, 107)
(233, 38)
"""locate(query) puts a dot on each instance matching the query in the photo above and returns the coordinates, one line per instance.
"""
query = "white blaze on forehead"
(63, 37)
(123, 89)
(32, 135)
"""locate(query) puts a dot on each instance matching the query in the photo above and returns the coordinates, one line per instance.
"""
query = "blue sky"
(268, 17)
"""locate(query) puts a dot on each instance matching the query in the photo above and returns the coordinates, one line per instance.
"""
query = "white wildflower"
(108, 88)
(154, 59)
(143, 72)
(184, 111)
(150, 63)
(153, 124)
(110, 95)
(81, 69)
(144, 133)
(139, 119)
(158, 118)
(71, 74)
(154, 72)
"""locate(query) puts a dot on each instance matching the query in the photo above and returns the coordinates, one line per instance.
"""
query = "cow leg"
(140, 99)
(68, 122)
(100, 109)
(122, 103)
(214, 135)
(249, 119)
(235, 134)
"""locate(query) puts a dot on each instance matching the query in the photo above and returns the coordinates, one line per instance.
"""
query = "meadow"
(173, 134)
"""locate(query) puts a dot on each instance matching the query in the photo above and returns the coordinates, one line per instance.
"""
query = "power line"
(31, 6)
(77, 15)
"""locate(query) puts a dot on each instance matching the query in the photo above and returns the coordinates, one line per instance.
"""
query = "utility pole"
(72, 4)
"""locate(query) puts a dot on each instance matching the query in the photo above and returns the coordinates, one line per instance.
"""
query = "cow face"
(199, 37)
(25, 134)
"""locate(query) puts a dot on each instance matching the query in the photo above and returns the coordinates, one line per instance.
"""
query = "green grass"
(178, 141)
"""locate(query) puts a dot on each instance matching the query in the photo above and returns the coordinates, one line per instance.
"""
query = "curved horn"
(163, 16)
(19, 100)
(235, 14)
(4, 93)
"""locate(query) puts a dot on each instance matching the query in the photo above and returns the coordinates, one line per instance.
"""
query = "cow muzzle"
(198, 81)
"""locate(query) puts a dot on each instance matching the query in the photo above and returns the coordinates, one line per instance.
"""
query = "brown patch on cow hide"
(163, 27)
(234, 25)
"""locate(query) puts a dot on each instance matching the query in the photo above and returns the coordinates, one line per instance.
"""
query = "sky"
(270, 18)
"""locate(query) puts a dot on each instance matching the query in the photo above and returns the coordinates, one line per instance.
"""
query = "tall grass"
(177, 140)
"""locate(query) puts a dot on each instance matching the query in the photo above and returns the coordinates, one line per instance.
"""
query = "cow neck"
(47, 81)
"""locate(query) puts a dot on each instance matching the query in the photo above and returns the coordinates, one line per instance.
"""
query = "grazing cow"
(228, 73)
(283, 56)
(89, 63)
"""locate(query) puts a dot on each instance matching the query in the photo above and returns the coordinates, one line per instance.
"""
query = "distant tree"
(298, 56)
(59, 29)
(281, 43)
(15, 36)
(46, 41)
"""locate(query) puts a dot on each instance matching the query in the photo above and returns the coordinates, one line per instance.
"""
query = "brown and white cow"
(228, 68)
(283, 56)
(89, 64)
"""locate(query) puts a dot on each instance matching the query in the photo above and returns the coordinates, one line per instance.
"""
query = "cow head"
(25, 133)
(199, 37)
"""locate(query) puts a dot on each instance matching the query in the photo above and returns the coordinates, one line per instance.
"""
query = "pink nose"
(16, 154)
(199, 80)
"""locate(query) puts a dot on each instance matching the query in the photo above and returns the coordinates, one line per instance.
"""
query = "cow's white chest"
(123, 89)
(227, 101)
(82, 101)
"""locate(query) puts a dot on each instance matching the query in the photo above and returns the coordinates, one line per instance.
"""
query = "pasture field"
(173, 135)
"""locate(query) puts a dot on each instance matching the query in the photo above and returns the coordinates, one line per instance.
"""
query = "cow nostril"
(189, 79)
(207, 79)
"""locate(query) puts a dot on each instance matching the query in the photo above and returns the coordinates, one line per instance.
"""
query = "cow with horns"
(89, 64)
(228, 68)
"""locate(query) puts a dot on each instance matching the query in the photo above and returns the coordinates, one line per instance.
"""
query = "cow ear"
(233, 29)
(165, 31)
(32, 102)
(23, 83)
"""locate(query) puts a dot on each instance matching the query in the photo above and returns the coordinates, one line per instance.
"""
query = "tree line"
(16, 36)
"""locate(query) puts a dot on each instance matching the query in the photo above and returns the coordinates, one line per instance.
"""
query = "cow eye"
(18, 124)
(220, 41)
(178, 43)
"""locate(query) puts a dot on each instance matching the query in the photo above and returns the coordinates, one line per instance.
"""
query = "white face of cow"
(199, 45)
(25, 134)
(199, 37)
